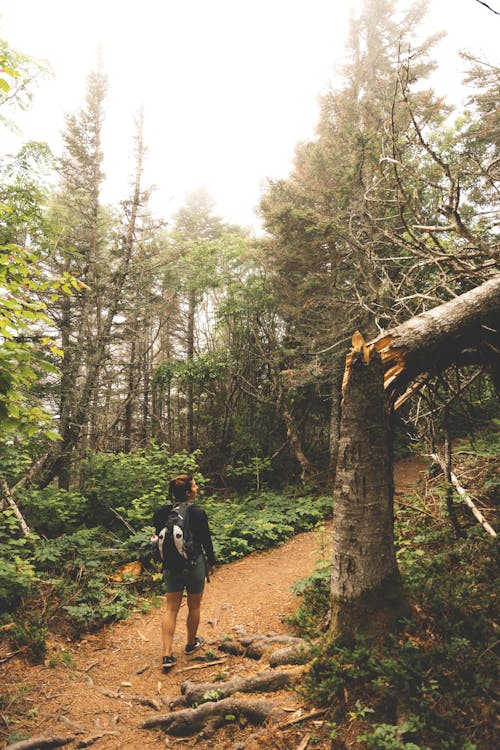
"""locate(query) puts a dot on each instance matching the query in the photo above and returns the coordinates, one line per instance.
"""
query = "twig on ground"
(304, 743)
(10, 656)
(302, 717)
(212, 663)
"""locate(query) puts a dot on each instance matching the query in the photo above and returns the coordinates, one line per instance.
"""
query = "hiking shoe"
(168, 663)
(191, 647)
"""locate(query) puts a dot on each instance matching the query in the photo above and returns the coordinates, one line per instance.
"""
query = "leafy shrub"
(17, 573)
(315, 601)
(32, 632)
(132, 484)
(255, 522)
(439, 663)
(52, 512)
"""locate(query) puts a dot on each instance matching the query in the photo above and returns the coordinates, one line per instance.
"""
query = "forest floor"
(102, 687)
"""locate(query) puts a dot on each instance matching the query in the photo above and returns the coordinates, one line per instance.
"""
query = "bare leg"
(193, 618)
(169, 619)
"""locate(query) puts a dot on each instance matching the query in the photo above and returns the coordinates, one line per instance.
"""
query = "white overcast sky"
(229, 87)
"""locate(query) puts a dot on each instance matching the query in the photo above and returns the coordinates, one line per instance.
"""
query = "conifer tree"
(328, 221)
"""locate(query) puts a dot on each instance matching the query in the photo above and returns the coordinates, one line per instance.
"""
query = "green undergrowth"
(431, 685)
(256, 522)
(70, 576)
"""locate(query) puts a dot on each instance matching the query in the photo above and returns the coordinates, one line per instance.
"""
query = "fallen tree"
(463, 331)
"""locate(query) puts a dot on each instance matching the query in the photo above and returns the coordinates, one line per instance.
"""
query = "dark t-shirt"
(199, 527)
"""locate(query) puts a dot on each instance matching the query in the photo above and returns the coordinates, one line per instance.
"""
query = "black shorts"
(193, 582)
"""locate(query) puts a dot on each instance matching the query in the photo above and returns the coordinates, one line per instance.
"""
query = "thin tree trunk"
(146, 379)
(449, 486)
(129, 403)
(68, 378)
(292, 432)
(190, 358)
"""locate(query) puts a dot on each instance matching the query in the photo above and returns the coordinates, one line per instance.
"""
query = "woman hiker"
(190, 576)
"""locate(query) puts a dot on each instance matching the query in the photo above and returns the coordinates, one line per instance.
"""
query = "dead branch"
(11, 655)
(35, 743)
(299, 716)
(192, 720)
(304, 742)
(465, 497)
(205, 665)
(12, 503)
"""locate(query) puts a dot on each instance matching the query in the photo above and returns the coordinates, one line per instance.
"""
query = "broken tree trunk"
(465, 329)
(366, 590)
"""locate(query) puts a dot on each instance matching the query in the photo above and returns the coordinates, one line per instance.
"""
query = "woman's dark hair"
(179, 487)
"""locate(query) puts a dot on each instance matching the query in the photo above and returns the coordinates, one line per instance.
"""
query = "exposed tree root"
(265, 682)
(193, 720)
(257, 646)
(187, 718)
(40, 742)
(88, 741)
(290, 655)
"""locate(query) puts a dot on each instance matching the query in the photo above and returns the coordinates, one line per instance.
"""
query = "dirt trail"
(118, 670)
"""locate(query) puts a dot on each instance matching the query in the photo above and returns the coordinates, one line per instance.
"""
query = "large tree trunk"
(366, 592)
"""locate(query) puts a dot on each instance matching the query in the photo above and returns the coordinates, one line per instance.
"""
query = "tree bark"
(336, 394)
(366, 590)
